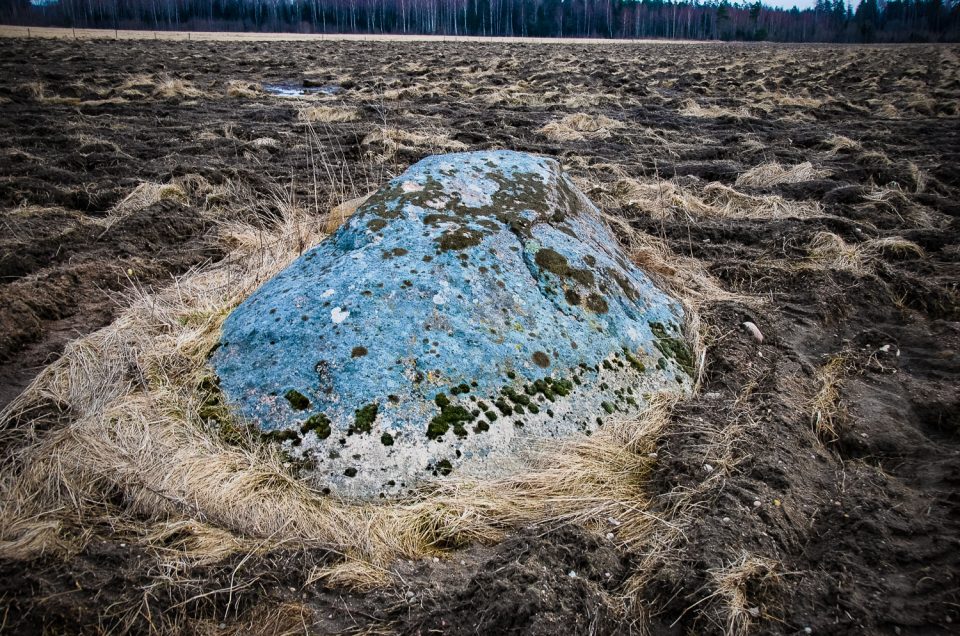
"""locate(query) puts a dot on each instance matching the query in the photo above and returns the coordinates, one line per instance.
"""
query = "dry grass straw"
(146, 194)
(773, 173)
(243, 89)
(735, 584)
(111, 435)
(692, 109)
(837, 144)
(385, 143)
(168, 87)
(115, 439)
(826, 408)
(328, 114)
(893, 199)
(670, 200)
(580, 126)
(134, 433)
(829, 250)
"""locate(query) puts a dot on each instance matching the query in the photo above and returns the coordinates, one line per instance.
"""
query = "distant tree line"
(828, 21)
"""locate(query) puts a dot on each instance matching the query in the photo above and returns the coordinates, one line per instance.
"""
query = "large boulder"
(474, 302)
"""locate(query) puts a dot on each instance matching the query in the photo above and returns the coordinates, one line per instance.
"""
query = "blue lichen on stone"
(486, 278)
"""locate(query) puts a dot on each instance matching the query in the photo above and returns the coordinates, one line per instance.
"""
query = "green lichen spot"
(672, 347)
(364, 418)
(444, 467)
(459, 239)
(607, 407)
(556, 263)
(552, 261)
(582, 276)
(625, 285)
(298, 401)
(282, 436)
(386, 439)
(319, 424)
(450, 416)
(358, 352)
(634, 361)
(597, 304)
(350, 472)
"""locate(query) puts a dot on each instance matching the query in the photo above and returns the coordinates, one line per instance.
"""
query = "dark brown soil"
(865, 528)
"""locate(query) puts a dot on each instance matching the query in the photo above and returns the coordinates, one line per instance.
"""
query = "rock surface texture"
(474, 302)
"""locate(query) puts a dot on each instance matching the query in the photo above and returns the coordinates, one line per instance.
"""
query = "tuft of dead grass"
(837, 144)
(328, 114)
(580, 126)
(827, 410)
(830, 250)
(123, 437)
(167, 87)
(243, 89)
(385, 143)
(121, 428)
(692, 109)
(773, 173)
(667, 199)
(741, 587)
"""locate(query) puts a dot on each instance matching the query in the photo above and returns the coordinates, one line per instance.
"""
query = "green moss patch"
(451, 416)
(318, 424)
(459, 239)
(298, 401)
(364, 418)
(672, 347)
(597, 304)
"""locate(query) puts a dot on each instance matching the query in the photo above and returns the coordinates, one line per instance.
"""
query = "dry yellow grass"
(340, 213)
(829, 250)
(384, 143)
(826, 407)
(119, 428)
(770, 174)
(740, 587)
(666, 199)
(328, 114)
(580, 126)
(692, 109)
(244, 89)
(175, 88)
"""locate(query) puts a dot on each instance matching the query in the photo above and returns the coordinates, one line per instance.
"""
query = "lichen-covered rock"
(476, 300)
